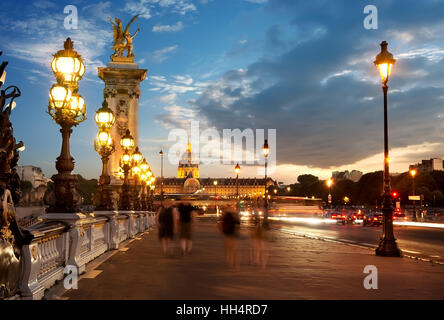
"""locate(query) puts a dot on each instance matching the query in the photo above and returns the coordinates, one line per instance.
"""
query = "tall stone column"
(122, 79)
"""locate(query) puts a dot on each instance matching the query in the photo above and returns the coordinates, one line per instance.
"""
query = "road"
(419, 242)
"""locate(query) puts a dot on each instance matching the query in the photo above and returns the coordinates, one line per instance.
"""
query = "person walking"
(229, 225)
(165, 223)
(186, 218)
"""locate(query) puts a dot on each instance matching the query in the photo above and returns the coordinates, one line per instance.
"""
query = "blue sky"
(303, 68)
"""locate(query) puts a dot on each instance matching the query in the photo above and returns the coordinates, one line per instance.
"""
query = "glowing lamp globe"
(384, 62)
(77, 105)
(105, 117)
(59, 97)
(127, 141)
(137, 156)
(126, 159)
(67, 64)
(144, 166)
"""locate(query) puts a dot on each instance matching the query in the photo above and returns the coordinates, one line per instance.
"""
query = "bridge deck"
(298, 268)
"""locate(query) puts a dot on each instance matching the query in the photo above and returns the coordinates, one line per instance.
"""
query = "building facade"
(433, 164)
(32, 174)
(189, 182)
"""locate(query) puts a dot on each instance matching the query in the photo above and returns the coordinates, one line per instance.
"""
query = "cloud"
(326, 104)
(148, 8)
(162, 54)
(168, 28)
(91, 39)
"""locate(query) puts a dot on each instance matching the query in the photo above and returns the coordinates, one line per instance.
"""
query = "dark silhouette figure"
(165, 223)
(186, 218)
(229, 226)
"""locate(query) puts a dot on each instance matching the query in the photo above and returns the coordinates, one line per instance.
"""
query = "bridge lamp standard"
(67, 108)
(127, 144)
(136, 160)
(104, 145)
(387, 245)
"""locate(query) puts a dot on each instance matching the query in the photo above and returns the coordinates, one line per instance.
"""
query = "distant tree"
(25, 186)
(86, 188)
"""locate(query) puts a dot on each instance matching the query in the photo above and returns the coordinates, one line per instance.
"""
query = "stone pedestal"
(122, 79)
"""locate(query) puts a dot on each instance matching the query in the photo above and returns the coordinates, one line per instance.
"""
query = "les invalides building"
(189, 182)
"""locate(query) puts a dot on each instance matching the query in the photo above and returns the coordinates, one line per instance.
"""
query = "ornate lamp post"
(144, 169)
(135, 170)
(266, 151)
(127, 144)
(387, 244)
(104, 145)
(67, 108)
(413, 174)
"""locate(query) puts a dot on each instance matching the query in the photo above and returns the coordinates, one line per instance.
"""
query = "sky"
(303, 68)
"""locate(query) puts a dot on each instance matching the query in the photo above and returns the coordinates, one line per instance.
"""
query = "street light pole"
(161, 177)
(413, 174)
(387, 244)
(237, 169)
(266, 151)
(67, 108)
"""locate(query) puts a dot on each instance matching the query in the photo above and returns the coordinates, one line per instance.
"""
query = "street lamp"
(161, 176)
(329, 184)
(104, 145)
(237, 170)
(127, 144)
(387, 244)
(266, 151)
(136, 159)
(413, 174)
(67, 108)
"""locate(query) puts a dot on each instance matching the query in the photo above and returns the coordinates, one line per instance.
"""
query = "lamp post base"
(388, 248)
(66, 194)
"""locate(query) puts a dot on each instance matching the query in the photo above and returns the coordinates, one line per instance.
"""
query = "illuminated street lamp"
(104, 145)
(136, 160)
(67, 108)
(413, 174)
(329, 184)
(387, 244)
(161, 176)
(127, 144)
(237, 170)
(266, 151)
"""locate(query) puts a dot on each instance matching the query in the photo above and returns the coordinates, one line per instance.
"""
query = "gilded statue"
(123, 40)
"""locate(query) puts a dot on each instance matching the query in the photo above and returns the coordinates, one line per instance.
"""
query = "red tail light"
(376, 219)
(354, 217)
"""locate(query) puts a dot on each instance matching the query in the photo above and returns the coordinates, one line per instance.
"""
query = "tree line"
(368, 190)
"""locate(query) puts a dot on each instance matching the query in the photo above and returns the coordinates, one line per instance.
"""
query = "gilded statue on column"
(123, 40)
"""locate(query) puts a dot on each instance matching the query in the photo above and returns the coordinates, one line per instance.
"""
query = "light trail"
(332, 221)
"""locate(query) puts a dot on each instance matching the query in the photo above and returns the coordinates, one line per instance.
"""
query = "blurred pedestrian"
(165, 221)
(229, 226)
(259, 246)
(186, 219)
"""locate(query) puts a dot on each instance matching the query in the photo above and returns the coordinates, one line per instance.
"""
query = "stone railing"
(62, 240)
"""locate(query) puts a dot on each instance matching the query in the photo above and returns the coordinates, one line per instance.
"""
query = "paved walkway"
(298, 268)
